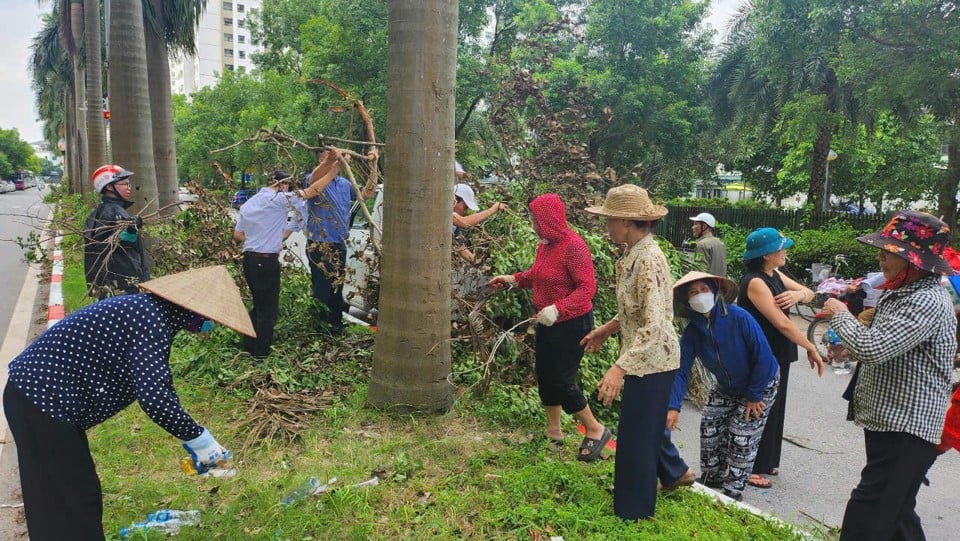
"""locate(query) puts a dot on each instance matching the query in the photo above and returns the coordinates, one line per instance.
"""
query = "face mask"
(199, 324)
(702, 303)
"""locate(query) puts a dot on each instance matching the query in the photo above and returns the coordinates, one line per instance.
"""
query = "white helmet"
(706, 218)
(108, 174)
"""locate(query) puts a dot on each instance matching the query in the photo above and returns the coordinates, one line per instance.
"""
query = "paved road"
(816, 479)
(21, 212)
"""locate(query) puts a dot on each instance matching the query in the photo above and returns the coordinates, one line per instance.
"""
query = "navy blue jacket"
(731, 345)
(101, 358)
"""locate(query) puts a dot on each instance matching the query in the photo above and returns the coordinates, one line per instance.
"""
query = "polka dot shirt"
(100, 359)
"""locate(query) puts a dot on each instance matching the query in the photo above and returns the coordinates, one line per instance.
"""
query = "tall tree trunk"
(818, 170)
(70, 134)
(161, 109)
(947, 198)
(80, 92)
(130, 116)
(96, 131)
(411, 358)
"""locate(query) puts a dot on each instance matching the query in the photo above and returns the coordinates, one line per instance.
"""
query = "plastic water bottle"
(168, 521)
(302, 492)
(841, 362)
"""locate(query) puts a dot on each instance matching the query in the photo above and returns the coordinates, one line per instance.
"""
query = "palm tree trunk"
(947, 197)
(161, 110)
(411, 358)
(130, 116)
(70, 134)
(818, 170)
(96, 131)
(80, 93)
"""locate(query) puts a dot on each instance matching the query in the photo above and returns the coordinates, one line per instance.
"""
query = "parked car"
(361, 285)
(19, 184)
(186, 196)
(241, 196)
(6, 186)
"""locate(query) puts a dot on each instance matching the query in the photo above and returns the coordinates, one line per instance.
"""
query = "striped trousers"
(728, 442)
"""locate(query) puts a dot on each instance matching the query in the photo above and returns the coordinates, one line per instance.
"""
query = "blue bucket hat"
(763, 241)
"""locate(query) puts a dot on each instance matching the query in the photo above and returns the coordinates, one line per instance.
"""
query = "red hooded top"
(951, 428)
(562, 272)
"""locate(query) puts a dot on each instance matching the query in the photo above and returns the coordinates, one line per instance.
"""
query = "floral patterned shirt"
(648, 341)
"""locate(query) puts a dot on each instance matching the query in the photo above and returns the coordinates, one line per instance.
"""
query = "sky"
(20, 21)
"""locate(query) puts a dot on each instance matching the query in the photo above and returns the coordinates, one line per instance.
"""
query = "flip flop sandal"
(593, 446)
(758, 481)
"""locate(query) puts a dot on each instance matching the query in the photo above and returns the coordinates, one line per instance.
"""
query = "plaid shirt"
(905, 357)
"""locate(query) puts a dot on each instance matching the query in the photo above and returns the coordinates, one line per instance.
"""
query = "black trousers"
(883, 506)
(644, 450)
(58, 480)
(263, 277)
(327, 260)
(771, 443)
(558, 359)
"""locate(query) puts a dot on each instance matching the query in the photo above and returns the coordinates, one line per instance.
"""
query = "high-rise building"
(223, 44)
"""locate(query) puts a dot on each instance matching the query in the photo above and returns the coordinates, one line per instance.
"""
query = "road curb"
(55, 309)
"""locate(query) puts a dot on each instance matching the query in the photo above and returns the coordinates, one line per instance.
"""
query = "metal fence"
(675, 226)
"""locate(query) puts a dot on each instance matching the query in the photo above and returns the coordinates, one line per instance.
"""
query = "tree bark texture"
(161, 109)
(131, 132)
(411, 358)
(96, 131)
(80, 93)
(818, 171)
(947, 198)
(70, 129)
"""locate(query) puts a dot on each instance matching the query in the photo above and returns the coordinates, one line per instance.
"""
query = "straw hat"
(630, 202)
(208, 291)
(728, 288)
(916, 236)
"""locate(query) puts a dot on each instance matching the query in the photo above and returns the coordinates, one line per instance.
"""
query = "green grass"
(443, 477)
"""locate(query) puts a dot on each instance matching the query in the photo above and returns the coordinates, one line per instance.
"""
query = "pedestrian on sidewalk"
(114, 260)
(730, 344)
(649, 355)
(262, 227)
(563, 285)
(767, 295)
(901, 388)
(90, 366)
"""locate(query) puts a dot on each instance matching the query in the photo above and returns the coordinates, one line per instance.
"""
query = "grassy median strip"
(456, 476)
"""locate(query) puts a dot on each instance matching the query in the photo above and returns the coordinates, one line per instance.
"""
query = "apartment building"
(223, 44)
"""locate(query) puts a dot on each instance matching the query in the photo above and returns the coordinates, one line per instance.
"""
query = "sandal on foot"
(685, 480)
(759, 481)
(710, 482)
(593, 446)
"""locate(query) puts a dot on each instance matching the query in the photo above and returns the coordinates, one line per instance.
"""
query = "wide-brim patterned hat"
(208, 291)
(763, 241)
(916, 236)
(630, 202)
(727, 288)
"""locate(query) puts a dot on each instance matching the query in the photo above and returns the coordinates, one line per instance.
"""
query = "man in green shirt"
(709, 247)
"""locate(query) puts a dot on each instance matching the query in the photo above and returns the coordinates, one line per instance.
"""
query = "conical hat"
(208, 291)
(728, 288)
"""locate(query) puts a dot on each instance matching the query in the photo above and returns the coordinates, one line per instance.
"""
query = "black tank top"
(783, 349)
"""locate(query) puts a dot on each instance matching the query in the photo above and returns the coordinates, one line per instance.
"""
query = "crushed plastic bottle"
(189, 467)
(302, 492)
(168, 521)
(309, 487)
